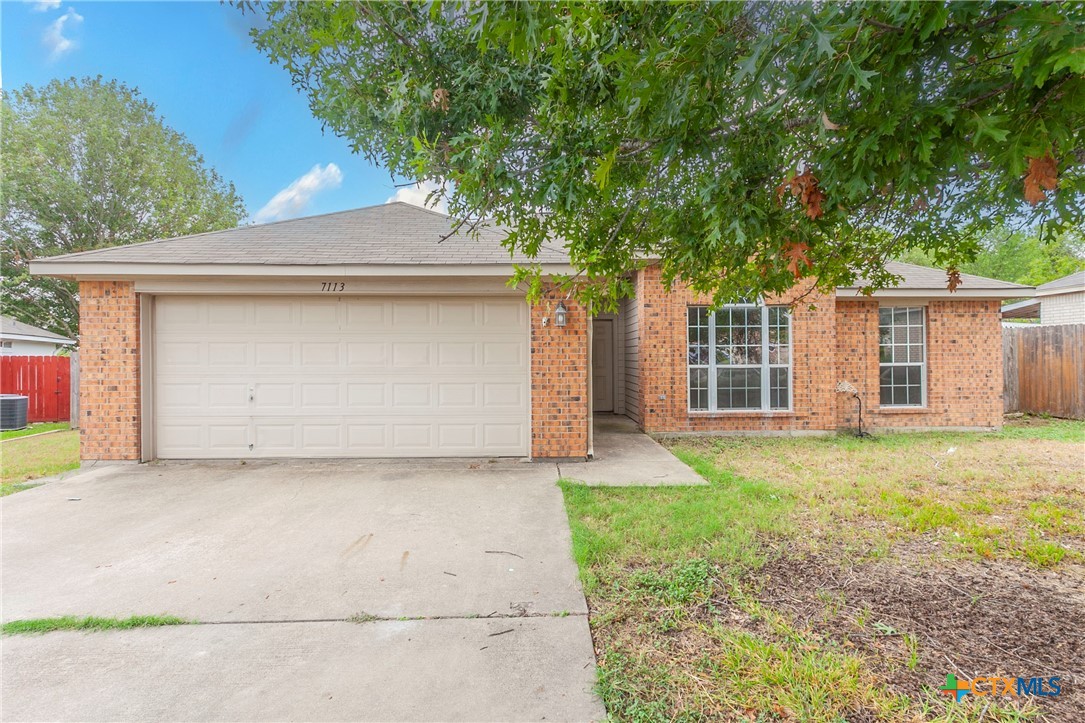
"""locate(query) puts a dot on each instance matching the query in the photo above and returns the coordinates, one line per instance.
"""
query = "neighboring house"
(1061, 301)
(19, 339)
(364, 334)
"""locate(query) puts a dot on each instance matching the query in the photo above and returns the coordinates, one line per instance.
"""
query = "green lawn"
(28, 458)
(808, 580)
(33, 429)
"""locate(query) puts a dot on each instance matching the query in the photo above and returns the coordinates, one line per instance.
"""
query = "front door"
(602, 365)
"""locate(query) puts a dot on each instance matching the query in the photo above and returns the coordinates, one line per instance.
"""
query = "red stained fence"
(45, 379)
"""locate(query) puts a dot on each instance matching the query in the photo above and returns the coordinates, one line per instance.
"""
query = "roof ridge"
(440, 214)
(309, 218)
(416, 207)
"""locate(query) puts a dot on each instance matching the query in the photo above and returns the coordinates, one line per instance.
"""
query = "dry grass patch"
(840, 579)
(980, 496)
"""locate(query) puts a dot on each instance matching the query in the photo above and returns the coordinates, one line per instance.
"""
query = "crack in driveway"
(363, 619)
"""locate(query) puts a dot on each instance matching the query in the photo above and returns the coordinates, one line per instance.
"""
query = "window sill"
(741, 413)
(901, 410)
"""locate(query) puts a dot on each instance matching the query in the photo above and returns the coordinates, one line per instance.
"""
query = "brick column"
(560, 368)
(964, 362)
(109, 354)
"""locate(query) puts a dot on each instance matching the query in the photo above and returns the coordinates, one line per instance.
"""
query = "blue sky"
(195, 63)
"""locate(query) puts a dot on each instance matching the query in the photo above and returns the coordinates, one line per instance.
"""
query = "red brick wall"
(964, 365)
(664, 376)
(559, 381)
(109, 356)
(833, 339)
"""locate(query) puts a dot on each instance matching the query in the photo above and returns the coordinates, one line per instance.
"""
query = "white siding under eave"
(26, 347)
(631, 333)
(1063, 308)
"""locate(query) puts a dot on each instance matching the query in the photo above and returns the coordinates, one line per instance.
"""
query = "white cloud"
(54, 39)
(417, 194)
(46, 5)
(293, 199)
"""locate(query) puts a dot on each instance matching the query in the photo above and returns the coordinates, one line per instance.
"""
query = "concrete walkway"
(466, 567)
(625, 456)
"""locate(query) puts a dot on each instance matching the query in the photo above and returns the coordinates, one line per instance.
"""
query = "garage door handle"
(252, 394)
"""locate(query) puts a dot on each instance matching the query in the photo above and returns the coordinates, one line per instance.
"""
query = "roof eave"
(34, 337)
(128, 270)
(1059, 290)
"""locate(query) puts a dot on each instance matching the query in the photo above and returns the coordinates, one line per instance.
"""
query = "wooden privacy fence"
(1045, 370)
(46, 380)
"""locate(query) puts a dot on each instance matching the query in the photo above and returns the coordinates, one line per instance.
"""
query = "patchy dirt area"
(915, 621)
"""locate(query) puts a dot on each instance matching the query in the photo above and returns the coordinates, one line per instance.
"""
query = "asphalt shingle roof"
(925, 278)
(9, 325)
(392, 233)
(1073, 282)
(397, 234)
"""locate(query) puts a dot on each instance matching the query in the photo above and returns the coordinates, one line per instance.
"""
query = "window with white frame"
(739, 358)
(902, 356)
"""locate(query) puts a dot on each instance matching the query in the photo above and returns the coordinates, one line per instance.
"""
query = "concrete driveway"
(465, 566)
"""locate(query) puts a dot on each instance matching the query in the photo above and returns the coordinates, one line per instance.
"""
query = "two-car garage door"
(339, 377)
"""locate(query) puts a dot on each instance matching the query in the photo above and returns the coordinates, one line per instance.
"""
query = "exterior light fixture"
(560, 314)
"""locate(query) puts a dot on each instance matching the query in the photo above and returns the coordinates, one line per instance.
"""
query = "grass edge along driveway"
(32, 429)
(675, 577)
(25, 459)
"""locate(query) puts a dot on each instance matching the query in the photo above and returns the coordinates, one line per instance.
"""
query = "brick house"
(364, 334)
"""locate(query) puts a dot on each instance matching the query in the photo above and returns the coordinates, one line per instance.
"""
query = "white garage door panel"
(350, 377)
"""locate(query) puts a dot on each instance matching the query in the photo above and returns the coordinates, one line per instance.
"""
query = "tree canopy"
(88, 164)
(1020, 256)
(745, 145)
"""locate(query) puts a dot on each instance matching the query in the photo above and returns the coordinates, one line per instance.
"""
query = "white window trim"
(764, 366)
(922, 365)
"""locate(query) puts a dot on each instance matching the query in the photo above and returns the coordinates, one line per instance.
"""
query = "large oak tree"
(743, 144)
(88, 164)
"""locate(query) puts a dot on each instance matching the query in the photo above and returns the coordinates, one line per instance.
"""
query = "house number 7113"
(332, 286)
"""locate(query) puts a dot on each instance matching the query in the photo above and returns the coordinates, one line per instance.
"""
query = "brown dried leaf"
(795, 253)
(828, 124)
(813, 201)
(805, 187)
(781, 190)
(782, 712)
(441, 99)
(1043, 173)
(953, 279)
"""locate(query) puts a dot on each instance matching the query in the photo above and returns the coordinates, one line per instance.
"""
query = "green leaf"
(988, 127)
(862, 77)
(824, 43)
(601, 174)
